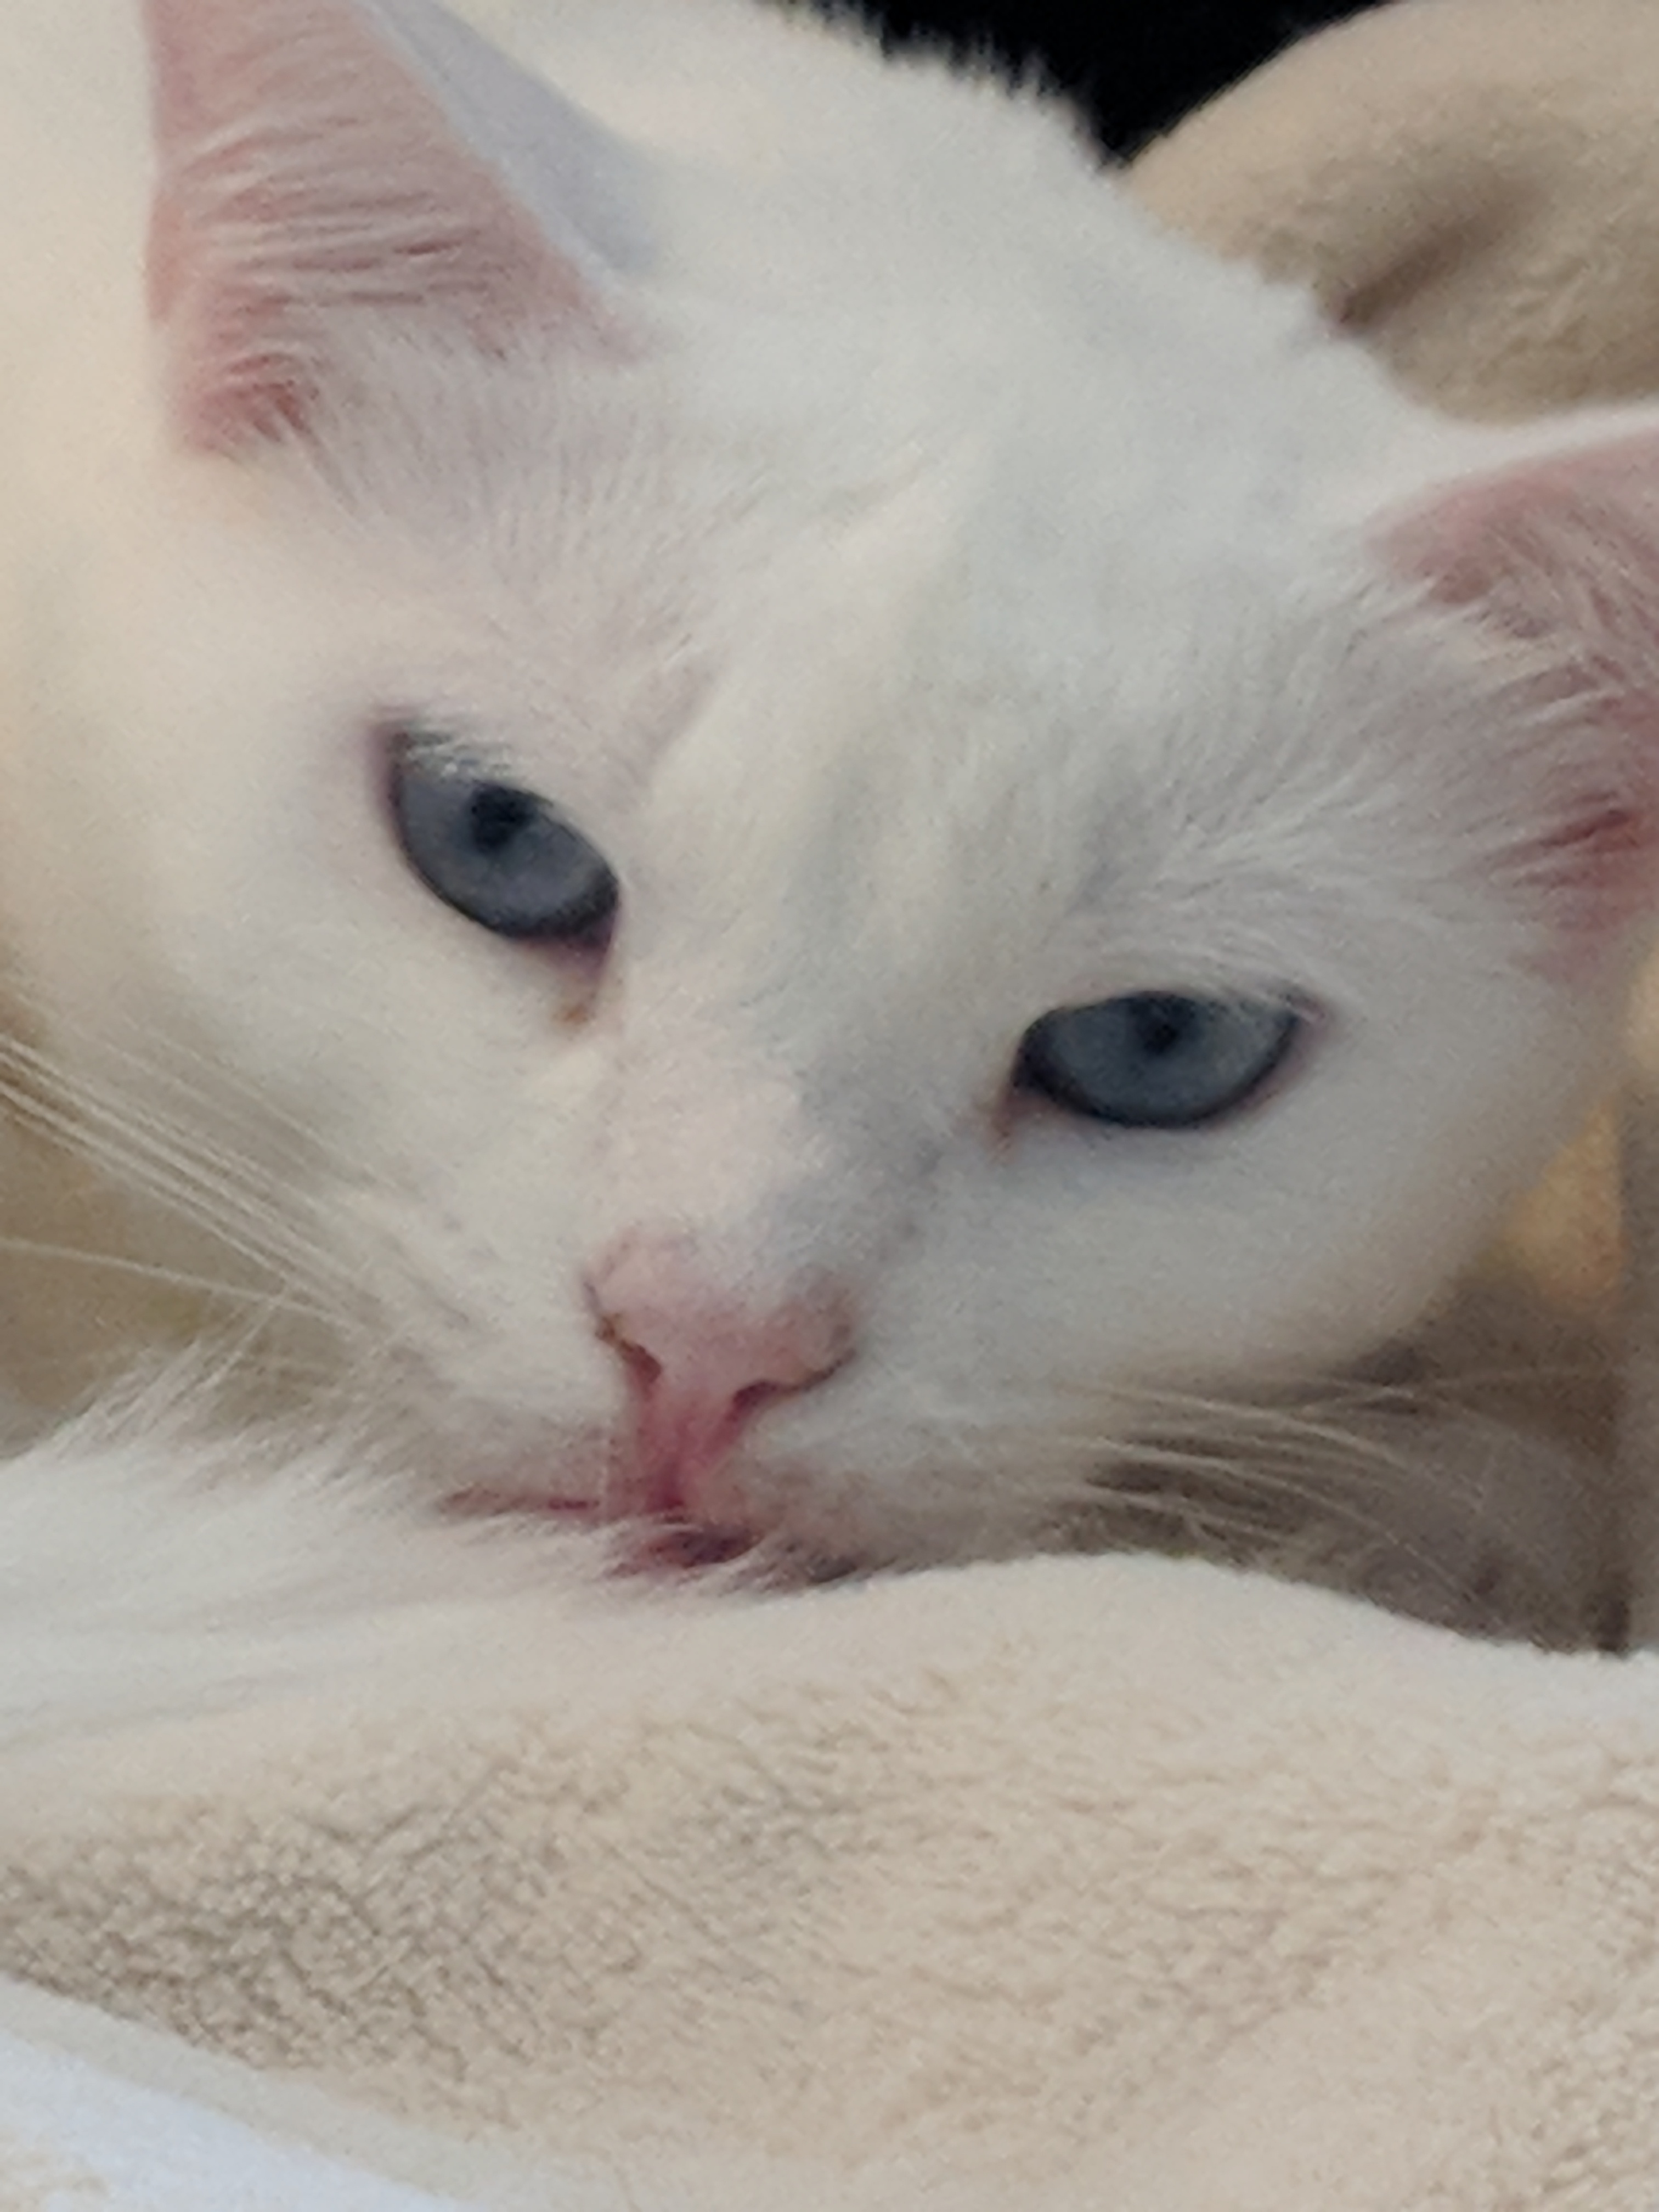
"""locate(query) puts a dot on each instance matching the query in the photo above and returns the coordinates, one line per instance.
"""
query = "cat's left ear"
(1554, 556)
(317, 167)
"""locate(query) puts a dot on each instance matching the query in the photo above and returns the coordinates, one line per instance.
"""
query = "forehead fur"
(1085, 559)
(1076, 510)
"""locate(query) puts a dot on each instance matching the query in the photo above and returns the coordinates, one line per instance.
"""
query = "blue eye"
(1155, 1060)
(504, 858)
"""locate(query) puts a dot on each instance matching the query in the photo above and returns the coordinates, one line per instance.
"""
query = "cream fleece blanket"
(1113, 1883)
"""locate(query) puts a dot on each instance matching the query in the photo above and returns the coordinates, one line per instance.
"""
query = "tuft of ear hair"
(305, 179)
(1556, 557)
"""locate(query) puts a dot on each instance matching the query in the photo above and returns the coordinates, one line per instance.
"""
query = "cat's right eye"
(504, 857)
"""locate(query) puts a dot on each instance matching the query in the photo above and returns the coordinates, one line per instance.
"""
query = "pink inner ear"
(306, 177)
(1559, 558)
(1569, 542)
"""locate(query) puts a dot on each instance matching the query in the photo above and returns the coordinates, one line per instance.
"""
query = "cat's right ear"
(310, 179)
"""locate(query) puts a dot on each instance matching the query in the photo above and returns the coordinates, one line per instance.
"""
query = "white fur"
(146, 1574)
(942, 598)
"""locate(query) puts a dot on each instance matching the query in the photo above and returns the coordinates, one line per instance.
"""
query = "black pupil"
(1163, 1025)
(498, 814)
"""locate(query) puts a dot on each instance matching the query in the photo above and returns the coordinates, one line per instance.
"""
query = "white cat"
(722, 805)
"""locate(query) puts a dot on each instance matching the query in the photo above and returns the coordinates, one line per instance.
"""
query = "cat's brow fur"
(941, 597)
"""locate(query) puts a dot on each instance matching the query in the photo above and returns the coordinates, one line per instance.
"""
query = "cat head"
(815, 878)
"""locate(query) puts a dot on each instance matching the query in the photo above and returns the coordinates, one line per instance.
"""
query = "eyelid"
(446, 752)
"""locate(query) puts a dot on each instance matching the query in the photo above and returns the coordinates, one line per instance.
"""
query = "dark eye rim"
(408, 745)
(1303, 1022)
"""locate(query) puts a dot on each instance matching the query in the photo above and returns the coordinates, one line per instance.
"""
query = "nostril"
(643, 1370)
(754, 1396)
(611, 1329)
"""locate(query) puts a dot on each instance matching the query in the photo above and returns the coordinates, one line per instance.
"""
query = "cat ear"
(305, 178)
(1555, 555)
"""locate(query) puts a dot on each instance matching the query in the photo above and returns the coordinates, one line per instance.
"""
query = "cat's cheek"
(911, 1458)
(494, 1368)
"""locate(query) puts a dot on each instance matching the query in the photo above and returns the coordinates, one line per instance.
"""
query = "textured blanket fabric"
(1116, 1883)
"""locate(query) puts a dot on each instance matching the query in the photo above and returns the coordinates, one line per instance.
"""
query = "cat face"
(788, 960)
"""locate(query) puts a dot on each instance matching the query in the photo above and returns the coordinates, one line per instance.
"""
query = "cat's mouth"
(667, 1547)
(649, 1530)
(737, 1517)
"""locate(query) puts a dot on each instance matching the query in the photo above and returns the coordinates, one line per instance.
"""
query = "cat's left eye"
(501, 856)
(1155, 1060)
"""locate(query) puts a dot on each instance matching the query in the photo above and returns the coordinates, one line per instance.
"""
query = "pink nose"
(700, 1363)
